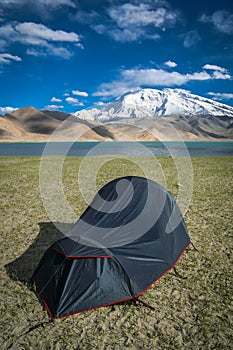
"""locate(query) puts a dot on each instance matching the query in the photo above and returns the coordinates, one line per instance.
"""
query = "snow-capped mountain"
(156, 103)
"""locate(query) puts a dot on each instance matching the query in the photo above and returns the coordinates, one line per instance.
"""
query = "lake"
(178, 149)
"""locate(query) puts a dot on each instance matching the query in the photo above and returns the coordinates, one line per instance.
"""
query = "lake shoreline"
(122, 148)
(112, 141)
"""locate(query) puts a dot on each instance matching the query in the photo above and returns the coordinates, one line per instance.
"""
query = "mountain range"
(156, 103)
(142, 115)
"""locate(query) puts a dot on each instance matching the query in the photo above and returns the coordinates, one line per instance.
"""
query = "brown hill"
(33, 121)
(171, 128)
(29, 124)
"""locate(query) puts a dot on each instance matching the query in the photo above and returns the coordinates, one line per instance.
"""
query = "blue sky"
(72, 54)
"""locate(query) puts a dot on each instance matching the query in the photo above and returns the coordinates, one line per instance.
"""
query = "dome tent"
(122, 244)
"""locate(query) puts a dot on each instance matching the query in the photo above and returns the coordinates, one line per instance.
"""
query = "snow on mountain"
(156, 103)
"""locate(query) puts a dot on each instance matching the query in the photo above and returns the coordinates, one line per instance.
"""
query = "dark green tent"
(130, 236)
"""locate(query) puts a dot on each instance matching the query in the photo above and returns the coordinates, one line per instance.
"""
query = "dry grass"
(192, 313)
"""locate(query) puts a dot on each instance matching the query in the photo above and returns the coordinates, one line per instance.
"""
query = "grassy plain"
(191, 313)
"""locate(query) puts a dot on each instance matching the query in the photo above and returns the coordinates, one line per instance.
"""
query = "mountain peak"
(156, 103)
(21, 112)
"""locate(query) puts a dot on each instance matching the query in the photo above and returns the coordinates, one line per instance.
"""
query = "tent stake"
(145, 304)
(194, 246)
(177, 273)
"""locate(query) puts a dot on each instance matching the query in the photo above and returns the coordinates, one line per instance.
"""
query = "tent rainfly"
(128, 237)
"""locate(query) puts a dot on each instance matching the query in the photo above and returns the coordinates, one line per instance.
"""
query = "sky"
(72, 54)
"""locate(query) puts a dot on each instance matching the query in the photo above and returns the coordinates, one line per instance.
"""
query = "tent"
(128, 237)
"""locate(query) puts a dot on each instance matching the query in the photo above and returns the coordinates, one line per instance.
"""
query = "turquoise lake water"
(179, 149)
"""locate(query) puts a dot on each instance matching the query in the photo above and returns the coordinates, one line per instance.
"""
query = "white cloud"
(100, 28)
(115, 88)
(54, 99)
(47, 3)
(57, 3)
(13, 2)
(170, 64)
(5, 110)
(214, 67)
(71, 100)
(74, 101)
(221, 20)
(100, 103)
(131, 15)
(86, 17)
(220, 95)
(136, 78)
(80, 93)
(191, 38)
(7, 35)
(53, 107)
(161, 77)
(6, 58)
(218, 72)
(220, 75)
(125, 35)
(50, 50)
(79, 45)
(134, 20)
(40, 31)
(42, 40)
